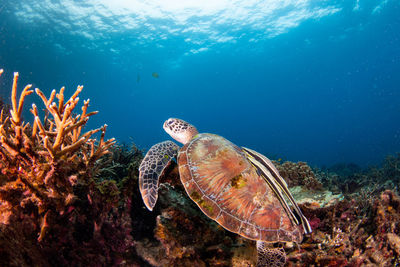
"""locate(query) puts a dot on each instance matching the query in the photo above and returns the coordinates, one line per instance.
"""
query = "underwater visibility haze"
(317, 81)
(309, 84)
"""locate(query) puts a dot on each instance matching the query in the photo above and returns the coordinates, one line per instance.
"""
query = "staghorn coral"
(32, 158)
(49, 197)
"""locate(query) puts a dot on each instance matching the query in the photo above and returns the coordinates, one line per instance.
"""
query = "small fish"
(155, 75)
(138, 78)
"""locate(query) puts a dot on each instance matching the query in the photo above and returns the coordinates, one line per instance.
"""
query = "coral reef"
(298, 174)
(347, 235)
(50, 202)
(349, 178)
(67, 199)
(348, 230)
(316, 198)
(123, 162)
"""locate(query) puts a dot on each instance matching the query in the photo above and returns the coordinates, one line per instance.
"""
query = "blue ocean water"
(315, 81)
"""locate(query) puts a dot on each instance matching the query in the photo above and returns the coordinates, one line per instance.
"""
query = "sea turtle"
(237, 187)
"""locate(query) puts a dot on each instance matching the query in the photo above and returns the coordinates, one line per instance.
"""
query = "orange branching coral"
(41, 164)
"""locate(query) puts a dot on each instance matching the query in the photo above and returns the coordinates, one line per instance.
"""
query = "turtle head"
(180, 130)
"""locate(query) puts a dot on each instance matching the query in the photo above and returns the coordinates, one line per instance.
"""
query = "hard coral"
(48, 191)
(358, 229)
(349, 178)
(181, 216)
(298, 174)
(349, 233)
(37, 163)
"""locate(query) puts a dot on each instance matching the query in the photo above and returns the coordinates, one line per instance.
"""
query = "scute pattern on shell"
(218, 177)
(152, 166)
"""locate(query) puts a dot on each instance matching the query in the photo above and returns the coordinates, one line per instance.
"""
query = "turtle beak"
(167, 125)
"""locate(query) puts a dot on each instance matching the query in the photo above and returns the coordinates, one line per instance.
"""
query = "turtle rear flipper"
(156, 160)
(268, 256)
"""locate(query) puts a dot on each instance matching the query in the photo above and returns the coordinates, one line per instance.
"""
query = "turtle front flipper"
(152, 166)
(271, 257)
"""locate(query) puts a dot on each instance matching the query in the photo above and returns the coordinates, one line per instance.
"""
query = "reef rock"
(315, 198)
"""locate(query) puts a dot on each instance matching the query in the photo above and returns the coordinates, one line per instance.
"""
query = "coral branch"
(14, 91)
(51, 194)
(39, 160)
(17, 110)
(66, 137)
(60, 97)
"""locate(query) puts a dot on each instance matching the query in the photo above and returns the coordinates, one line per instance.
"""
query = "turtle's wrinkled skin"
(218, 177)
(237, 187)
